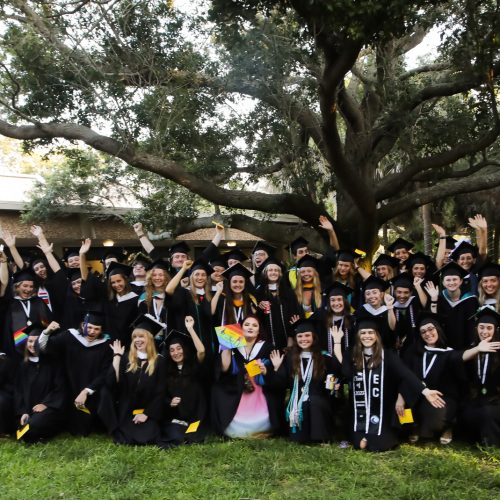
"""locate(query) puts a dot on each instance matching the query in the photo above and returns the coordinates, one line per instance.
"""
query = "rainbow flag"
(20, 337)
(230, 336)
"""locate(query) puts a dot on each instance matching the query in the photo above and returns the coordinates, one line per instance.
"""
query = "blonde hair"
(483, 296)
(316, 290)
(149, 288)
(192, 288)
(133, 365)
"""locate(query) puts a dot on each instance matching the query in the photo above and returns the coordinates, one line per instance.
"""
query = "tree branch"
(477, 182)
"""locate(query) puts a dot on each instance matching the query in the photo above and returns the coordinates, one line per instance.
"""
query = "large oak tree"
(314, 97)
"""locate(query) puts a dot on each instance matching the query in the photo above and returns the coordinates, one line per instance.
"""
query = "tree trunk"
(427, 228)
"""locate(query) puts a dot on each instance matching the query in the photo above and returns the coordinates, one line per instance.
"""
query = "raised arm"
(174, 282)
(10, 241)
(198, 344)
(441, 247)
(483, 346)
(433, 292)
(417, 283)
(219, 288)
(4, 274)
(391, 317)
(83, 258)
(46, 248)
(145, 241)
(480, 225)
(325, 224)
(118, 351)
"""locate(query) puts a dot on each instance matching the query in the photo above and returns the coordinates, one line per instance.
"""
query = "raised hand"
(219, 287)
(189, 322)
(294, 319)
(439, 230)
(388, 300)
(46, 247)
(432, 290)
(117, 347)
(478, 222)
(324, 223)
(139, 230)
(7, 237)
(276, 359)
(337, 334)
(36, 231)
(417, 281)
(86, 243)
(52, 327)
(187, 264)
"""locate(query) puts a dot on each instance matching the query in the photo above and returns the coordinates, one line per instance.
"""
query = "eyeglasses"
(427, 330)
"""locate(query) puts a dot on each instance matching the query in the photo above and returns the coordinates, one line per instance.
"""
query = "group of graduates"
(331, 351)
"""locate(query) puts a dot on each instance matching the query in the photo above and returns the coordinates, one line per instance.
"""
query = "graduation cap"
(70, 252)
(337, 288)
(374, 282)
(308, 261)
(34, 329)
(158, 264)
(347, 255)
(487, 314)
(203, 265)
(297, 243)
(462, 248)
(138, 258)
(403, 280)
(386, 260)
(217, 260)
(304, 325)
(425, 317)
(419, 258)
(272, 260)
(234, 254)
(177, 337)
(180, 247)
(489, 269)
(24, 275)
(400, 243)
(74, 274)
(263, 245)
(237, 270)
(148, 323)
(452, 269)
(94, 317)
(450, 243)
(116, 253)
(367, 321)
(118, 268)
(36, 259)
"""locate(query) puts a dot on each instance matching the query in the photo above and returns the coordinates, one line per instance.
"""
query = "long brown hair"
(149, 288)
(351, 278)
(358, 354)
(319, 368)
(192, 288)
(482, 296)
(111, 293)
(151, 353)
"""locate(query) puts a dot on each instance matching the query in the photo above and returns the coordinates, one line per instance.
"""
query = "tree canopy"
(314, 99)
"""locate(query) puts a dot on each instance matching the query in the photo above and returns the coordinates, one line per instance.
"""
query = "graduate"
(139, 262)
(376, 375)
(410, 299)
(234, 256)
(40, 392)
(232, 300)
(379, 304)
(480, 414)
(400, 248)
(421, 266)
(440, 367)
(312, 377)
(22, 309)
(489, 285)
(137, 382)
(244, 405)
(261, 251)
(348, 273)
(278, 306)
(186, 398)
(86, 357)
(466, 256)
(308, 290)
(114, 294)
(455, 307)
(7, 378)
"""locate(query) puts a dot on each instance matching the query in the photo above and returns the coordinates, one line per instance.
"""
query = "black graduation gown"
(221, 317)
(56, 285)
(480, 413)
(16, 318)
(134, 391)
(318, 411)
(381, 314)
(74, 310)
(229, 387)
(85, 365)
(394, 374)
(276, 322)
(445, 374)
(458, 320)
(7, 375)
(406, 322)
(185, 383)
(41, 382)
(120, 312)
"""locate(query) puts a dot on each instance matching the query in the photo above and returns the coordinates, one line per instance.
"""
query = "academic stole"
(368, 399)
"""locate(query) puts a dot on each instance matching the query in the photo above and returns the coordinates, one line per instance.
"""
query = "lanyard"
(426, 370)
(482, 376)
(26, 307)
(238, 313)
(157, 310)
(305, 373)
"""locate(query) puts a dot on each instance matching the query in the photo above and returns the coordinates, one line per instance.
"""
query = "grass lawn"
(95, 468)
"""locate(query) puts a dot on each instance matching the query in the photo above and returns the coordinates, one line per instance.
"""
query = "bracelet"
(443, 237)
(116, 354)
(337, 343)
(141, 235)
